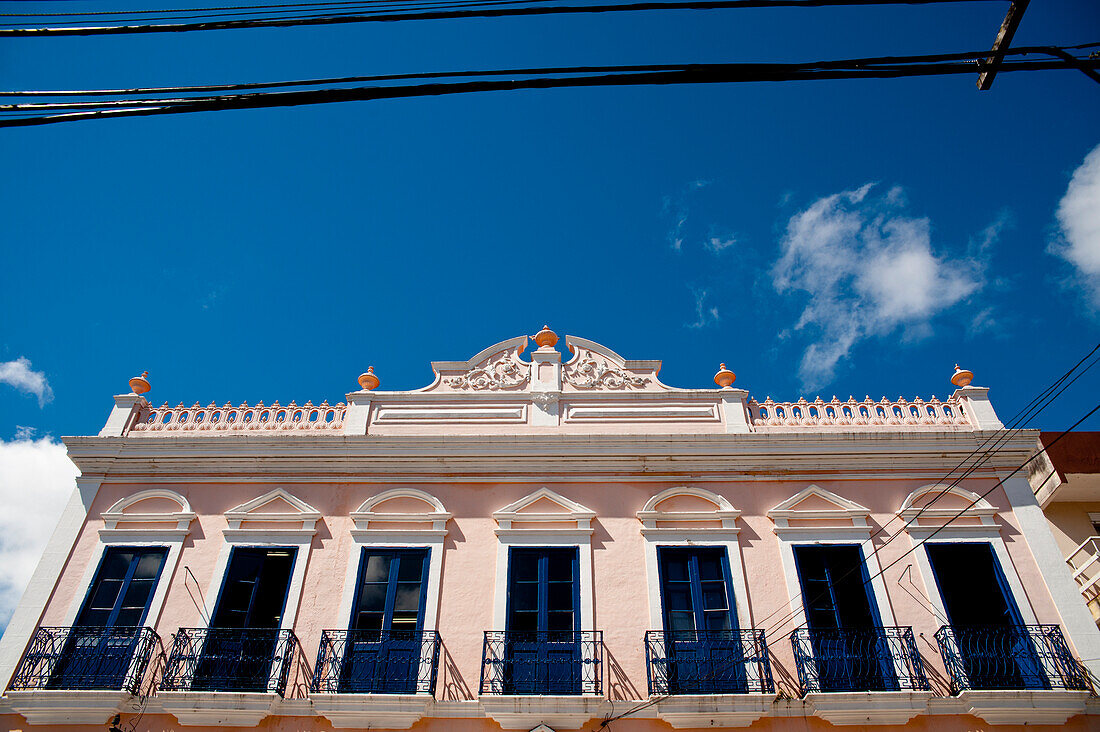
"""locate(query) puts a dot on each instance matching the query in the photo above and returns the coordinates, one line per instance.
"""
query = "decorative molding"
(845, 509)
(437, 515)
(526, 712)
(1024, 707)
(913, 513)
(652, 412)
(589, 369)
(713, 710)
(116, 514)
(217, 709)
(723, 511)
(571, 512)
(385, 711)
(452, 414)
(301, 513)
(868, 707)
(545, 399)
(49, 706)
(502, 370)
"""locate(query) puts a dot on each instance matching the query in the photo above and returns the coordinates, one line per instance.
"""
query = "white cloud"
(703, 314)
(718, 244)
(36, 479)
(18, 373)
(677, 210)
(868, 270)
(1079, 222)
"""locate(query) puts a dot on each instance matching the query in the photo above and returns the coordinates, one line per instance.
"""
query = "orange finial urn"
(368, 380)
(140, 384)
(545, 338)
(724, 377)
(962, 377)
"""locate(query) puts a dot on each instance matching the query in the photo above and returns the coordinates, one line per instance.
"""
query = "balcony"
(386, 676)
(1009, 657)
(86, 658)
(1014, 674)
(861, 675)
(858, 659)
(377, 662)
(707, 662)
(230, 659)
(553, 677)
(80, 675)
(1084, 562)
(542, 662)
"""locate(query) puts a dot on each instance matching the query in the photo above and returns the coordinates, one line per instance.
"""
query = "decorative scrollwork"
(545, 398)
(596, 372)
(502, 370)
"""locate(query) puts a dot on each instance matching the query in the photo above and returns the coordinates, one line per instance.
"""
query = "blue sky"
(847, 237)
(276, 253)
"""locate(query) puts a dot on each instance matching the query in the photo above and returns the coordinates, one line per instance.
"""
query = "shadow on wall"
(452, 687)
(941, 685)
(619, 686)
(301, 675)
(786, 683)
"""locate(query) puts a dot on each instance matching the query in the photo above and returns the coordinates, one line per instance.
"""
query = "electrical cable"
(885, 67)
(1028, 413)
(338, 18)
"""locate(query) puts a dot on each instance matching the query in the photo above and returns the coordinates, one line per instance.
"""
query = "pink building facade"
(531, 543)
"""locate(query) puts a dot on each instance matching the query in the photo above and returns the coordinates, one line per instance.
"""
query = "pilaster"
(358, 412)
(735, 413)
(975, 399)
(122, 416)
(545, 386)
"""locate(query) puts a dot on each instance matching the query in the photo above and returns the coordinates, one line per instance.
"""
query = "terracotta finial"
(368, 380)
(962, 377)
(724, 377)
(545, 338)
(140, 384)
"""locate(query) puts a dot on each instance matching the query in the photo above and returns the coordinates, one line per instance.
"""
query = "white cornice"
(519, 457)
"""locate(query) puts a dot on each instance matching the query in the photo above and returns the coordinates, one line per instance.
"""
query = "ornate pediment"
(497, 368)
(595, 367)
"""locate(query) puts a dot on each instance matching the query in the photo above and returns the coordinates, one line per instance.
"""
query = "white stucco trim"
(28, 613)
(410, 538)
(582, 539)
(1077, 621)
(695, 537)
(120, 530)
(969, 535)
(302, 541)
(841, 535)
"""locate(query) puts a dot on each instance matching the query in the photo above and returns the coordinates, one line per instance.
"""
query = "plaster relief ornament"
(502, 370)
(544, 398)
(594, 371)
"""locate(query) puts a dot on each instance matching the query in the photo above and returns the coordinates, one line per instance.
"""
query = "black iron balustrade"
(858, 659)
(86, 658)
(561, 662)
(230, 659)
(1009, 657)
(377, 662)
(707, 662)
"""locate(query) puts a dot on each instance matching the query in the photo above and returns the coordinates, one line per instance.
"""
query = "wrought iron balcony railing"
(1009, 657)
(377, 662)
(86, 658)
(858, 659)
(230, 659)
(707, 662)
(542, 662)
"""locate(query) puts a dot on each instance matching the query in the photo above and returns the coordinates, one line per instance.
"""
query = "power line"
(881, 67)
(1035, 407)
(359, 17)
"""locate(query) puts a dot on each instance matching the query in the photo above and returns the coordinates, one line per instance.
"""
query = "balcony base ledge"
(527, 712)
(58, 706)
(1024, 706)
(684, 711)
(868, 707)
(217, 708)
(387, 711)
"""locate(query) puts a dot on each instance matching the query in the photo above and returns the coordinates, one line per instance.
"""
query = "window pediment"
(278, 509)
(156, 509)
(685, 507)
(544, 510)
(411, 509)
(927, 505)
(817, 508)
